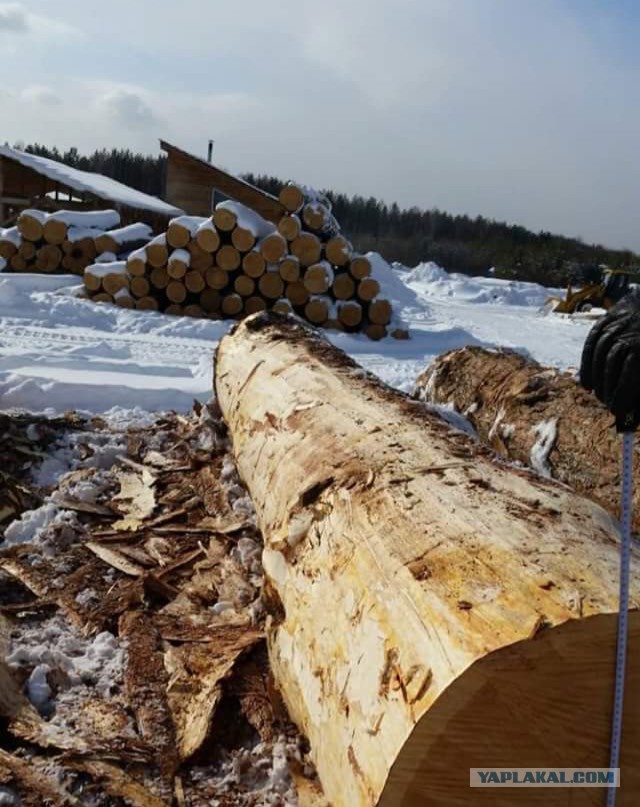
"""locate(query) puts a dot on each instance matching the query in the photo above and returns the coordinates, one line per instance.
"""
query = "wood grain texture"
(430, 609)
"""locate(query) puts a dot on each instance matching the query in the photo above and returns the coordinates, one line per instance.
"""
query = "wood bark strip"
(535, 415)
(35, 788)
(146, 681)
(430, 609)
(197, 671)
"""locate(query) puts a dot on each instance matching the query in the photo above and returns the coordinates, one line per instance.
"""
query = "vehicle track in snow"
(15, 335)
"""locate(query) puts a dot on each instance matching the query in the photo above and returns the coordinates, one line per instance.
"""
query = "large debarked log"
(535, 415)
(431, 610)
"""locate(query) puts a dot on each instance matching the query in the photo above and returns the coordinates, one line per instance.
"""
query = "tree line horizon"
(409, 236)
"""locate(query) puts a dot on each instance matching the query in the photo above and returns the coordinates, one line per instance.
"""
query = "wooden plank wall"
(190, 184)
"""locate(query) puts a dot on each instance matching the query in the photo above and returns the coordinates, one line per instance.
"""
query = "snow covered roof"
(86, 182)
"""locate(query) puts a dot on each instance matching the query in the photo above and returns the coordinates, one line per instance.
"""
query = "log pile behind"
(235, 263)
(67, 241)
(534, 415)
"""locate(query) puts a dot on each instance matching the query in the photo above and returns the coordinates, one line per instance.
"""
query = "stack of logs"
(67, 241)
(235, 263)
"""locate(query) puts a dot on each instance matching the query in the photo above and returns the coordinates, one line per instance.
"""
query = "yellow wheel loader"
(613, 286)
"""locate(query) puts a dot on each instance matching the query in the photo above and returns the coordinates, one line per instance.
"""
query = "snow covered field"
(59, 352)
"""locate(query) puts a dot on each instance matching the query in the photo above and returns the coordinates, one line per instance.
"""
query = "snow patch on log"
(190, 223)
(248, 219)
(130, 233)
(12, 235)
(79, 233)
(106, 257)
(87, 219)
(105, 269)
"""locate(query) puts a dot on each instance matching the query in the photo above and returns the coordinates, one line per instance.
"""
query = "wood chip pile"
(132, 661)
(67, 241)
(235, 263)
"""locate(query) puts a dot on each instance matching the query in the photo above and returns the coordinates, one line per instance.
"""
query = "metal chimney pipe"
(210, 151)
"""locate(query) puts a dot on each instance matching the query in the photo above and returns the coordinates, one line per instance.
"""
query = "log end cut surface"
(535, 704)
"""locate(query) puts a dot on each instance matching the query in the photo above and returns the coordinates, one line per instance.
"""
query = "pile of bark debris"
(132, 655)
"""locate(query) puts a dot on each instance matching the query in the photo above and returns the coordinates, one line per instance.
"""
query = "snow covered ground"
(60, 352)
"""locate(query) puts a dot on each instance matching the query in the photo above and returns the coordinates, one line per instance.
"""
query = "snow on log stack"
(235, 263)
(67, 241)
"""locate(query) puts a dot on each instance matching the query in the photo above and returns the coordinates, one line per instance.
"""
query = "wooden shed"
(191, 183)
(27, 180)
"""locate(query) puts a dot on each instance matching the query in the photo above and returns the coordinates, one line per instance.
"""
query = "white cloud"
(13, 18)
(38, 94)
(128, 108)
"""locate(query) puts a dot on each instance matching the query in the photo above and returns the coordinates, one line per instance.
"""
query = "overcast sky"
(522, 110)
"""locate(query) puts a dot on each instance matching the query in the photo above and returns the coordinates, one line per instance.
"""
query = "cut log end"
(273, 248)
(147, 304)
(208, 239)
(136, 267)
(254, 264)
(297, 293)
(244, 285)
(380, 312)
(194, 281)
(159, 277)
(360, 267)
(338, 250)
(253, 305)
(307, 248)
(368, 289)
(31, 226)
(317, 311)
(54, 231)
(157, 255)
(291, 198)
(289, 227)
(271, 285)
(176, 291)
(217, 278)
(228, 258)
(243, 240)
(232, 304)
(350, 313)
(344, 287)
(225, 220)
(289, 269)
(140, 286)
(178, 236)
(318, 278)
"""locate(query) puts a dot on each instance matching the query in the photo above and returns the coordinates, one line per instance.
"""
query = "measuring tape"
(623, 614)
